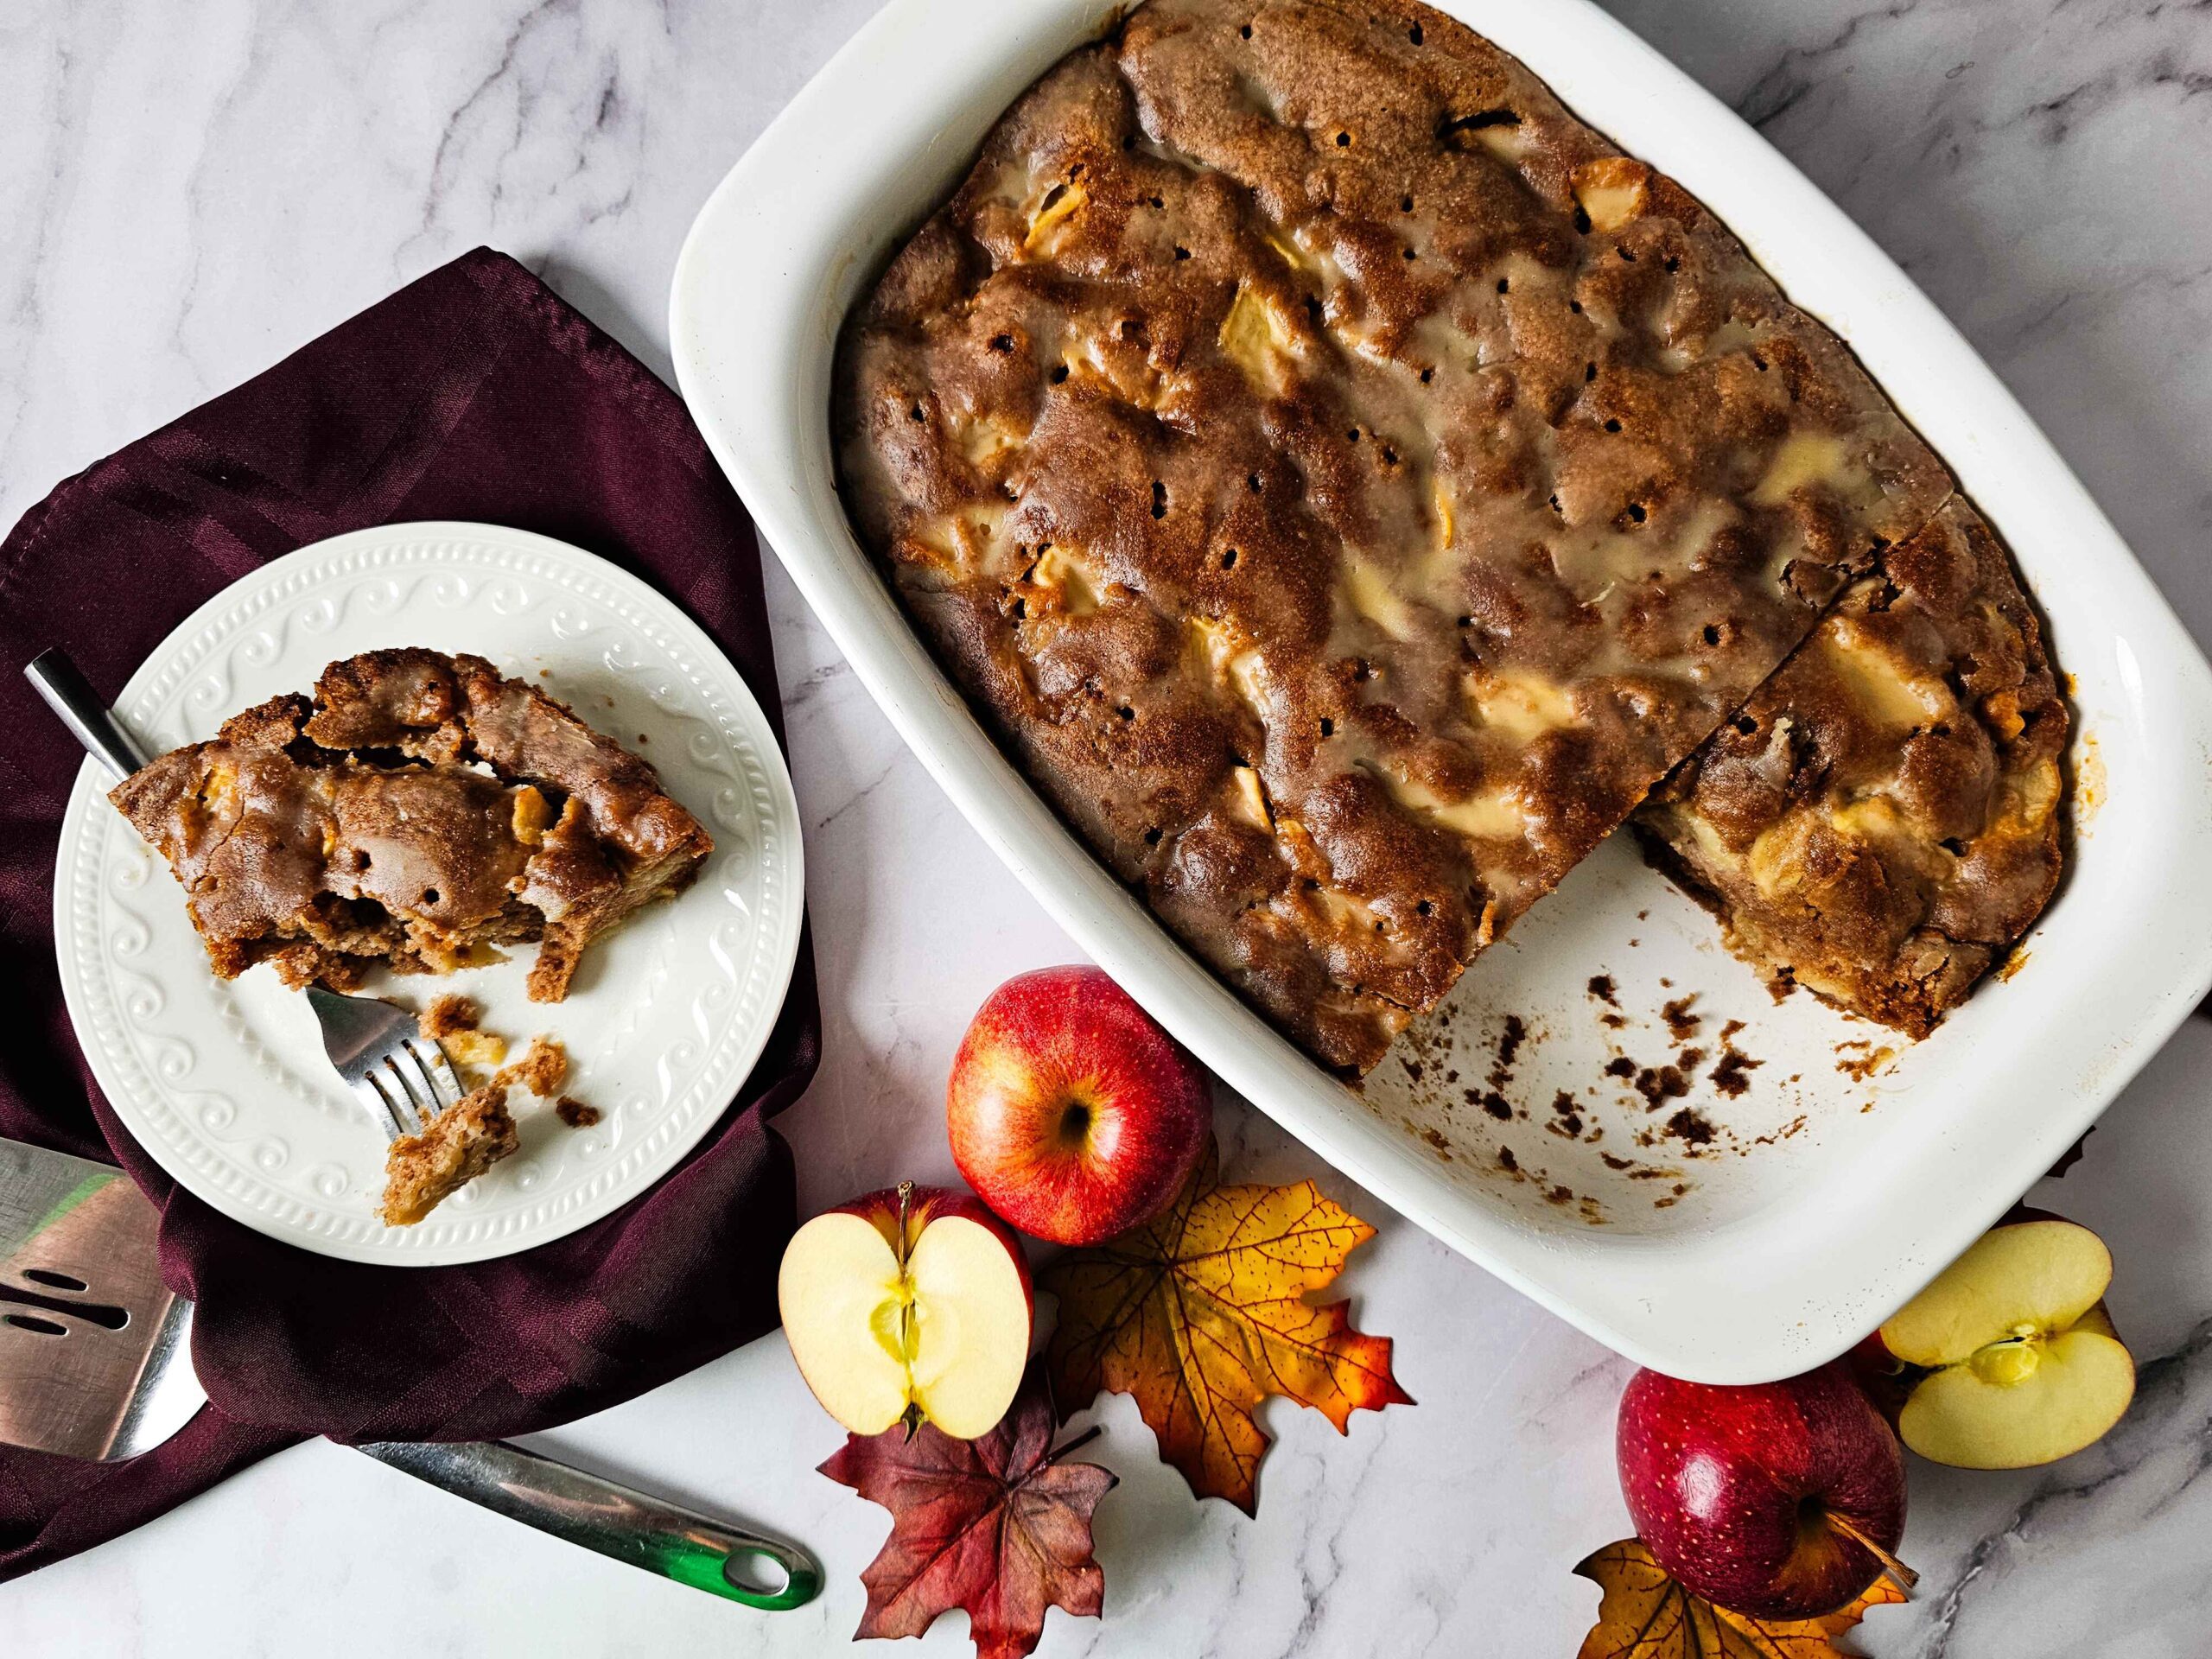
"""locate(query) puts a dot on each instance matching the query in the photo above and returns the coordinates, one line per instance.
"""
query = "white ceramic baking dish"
(1842, 1178)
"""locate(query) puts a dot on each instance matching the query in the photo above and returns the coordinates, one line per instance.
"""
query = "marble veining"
(191, 192)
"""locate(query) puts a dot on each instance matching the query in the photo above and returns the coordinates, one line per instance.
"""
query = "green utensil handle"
(629, 1526)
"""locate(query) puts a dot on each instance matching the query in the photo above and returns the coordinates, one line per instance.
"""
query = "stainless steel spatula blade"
(95, 1351)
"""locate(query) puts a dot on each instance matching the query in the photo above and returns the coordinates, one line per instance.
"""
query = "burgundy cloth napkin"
(473, 393)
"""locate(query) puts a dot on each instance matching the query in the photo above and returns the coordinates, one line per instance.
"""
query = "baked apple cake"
(419, 811)
(1348, 484)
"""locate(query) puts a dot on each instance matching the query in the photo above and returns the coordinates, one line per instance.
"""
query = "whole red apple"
(1751, 1496)
(1072, 1113)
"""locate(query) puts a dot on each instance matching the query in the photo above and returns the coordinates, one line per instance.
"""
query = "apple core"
(906, 1303)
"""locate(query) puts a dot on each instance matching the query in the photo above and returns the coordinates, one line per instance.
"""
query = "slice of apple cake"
(419, 811)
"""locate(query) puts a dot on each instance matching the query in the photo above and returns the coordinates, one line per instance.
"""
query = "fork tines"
(410, 1084)
(401, 1077)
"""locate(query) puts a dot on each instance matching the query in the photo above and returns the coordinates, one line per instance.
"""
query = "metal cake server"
(95, 1351)
(96, 1363)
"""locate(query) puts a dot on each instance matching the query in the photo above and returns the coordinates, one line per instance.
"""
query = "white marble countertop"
(188, 193)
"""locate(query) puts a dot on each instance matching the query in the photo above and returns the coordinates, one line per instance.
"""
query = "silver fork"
(401, 1077)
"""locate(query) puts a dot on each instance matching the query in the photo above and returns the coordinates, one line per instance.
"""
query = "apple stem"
(1895, 1570)
(1076, 1444)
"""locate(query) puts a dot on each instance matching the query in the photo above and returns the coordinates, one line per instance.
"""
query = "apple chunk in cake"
(1880, 822)
(419, 811)
(1347, 483)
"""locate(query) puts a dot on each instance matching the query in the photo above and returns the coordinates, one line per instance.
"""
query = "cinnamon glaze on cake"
(417, 810)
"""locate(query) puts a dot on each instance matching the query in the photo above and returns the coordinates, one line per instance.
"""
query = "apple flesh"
(2015, 1359)
(1072, 1113)
(913, 1302)
(1781, 1500)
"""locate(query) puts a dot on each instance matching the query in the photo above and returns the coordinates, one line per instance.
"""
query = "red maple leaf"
(997, 1525)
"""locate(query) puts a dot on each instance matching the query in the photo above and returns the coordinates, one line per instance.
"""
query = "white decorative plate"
(225, 1081)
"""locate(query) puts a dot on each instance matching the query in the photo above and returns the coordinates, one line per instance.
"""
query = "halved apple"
(2022, 1365)
(913, 1302)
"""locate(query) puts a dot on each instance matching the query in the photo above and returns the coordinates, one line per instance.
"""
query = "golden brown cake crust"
(1346, 483)
(419, 808)
(1880, 822)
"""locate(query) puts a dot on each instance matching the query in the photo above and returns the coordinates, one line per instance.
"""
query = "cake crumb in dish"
(454, 1012)
(1668, 1081)
(542, 1069)
(573, 1113)
(452, 1022)
(1728, 1076)
(1692, 1127)
(1859, 1060)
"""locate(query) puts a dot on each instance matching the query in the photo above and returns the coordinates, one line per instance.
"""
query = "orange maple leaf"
(1644, 1614)
(1202, 1313)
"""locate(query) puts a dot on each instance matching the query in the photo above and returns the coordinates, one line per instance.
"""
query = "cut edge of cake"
(1882, 822)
